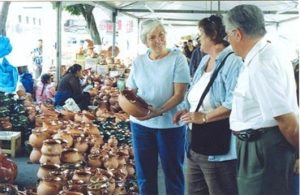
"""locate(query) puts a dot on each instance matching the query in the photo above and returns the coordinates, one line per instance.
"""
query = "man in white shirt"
(264, 107)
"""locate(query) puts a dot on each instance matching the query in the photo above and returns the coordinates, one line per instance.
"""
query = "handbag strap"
(213, 77)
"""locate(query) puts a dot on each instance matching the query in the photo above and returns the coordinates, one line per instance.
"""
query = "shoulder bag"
(211, 138)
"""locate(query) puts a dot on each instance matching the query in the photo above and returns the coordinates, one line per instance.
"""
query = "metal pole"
(58, 41)
(114, 18)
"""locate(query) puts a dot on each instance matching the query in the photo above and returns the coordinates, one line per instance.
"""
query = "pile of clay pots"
(75, 157)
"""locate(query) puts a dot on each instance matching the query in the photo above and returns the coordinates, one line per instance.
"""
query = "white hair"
(147, 26)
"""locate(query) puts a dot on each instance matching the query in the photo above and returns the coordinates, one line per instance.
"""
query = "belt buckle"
(249, 135)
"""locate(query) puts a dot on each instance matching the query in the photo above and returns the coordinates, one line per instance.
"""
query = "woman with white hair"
(160, 77)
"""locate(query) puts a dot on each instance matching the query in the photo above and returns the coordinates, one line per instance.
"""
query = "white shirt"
(265, 89)
(196, 93)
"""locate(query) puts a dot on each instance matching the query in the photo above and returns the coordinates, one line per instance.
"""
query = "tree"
(4, 7)
(87, 12)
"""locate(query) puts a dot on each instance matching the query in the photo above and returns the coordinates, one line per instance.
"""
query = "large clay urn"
(8, 169)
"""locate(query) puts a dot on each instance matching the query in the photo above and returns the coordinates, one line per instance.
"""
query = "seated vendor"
(70, 87)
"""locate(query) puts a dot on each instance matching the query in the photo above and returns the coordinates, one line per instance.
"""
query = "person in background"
(37, 59)
(160, 77)
(70, 87)
(45, 92)
(212, 174)
(264, 107)
(196, 58)
(188, 49)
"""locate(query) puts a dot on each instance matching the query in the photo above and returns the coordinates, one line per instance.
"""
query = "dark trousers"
(265, 165)
(210, 178)
(148, 143)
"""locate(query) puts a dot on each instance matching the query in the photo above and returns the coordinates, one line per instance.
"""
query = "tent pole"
(58, 41)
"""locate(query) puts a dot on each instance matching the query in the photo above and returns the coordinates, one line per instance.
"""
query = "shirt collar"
(261, 44)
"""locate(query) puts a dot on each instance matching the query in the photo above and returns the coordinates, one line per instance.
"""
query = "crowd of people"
(229, 104)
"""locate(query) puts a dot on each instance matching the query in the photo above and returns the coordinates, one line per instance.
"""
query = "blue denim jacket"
(221, 91)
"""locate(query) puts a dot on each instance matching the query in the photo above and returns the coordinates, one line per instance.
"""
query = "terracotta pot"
(68, 115)
(8, 170)
(64, 135)
(94, 160)
(49, 186)
(111, 162)
(51, 147)
(81, 144)
(83, 175)
(112, 141)
(50, 159)
(70, 155)
(35, 155)
(76, 185)
(91, 129)
(70, 193)
(37, 137)
(132, 104)
(45, 170)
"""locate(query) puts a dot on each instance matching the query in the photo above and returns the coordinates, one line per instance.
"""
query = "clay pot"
(70, 193)
(87, 117)
(47, 108)
(78, 117)
(76, 185)
(96, 139)
(49, 159)
(111, 162)
(51, 147)
(132, 104)
(68, 115)
(64, 135)
(94, 160)
(70, 155)
(83, 175)
(35, 155)
(37, 137)
(45, 170)
(81, 144)
(91, 129)
(112, 141)
(8, 170)
(49, 186)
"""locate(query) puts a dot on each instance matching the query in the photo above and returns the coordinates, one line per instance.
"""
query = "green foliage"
(74, 9)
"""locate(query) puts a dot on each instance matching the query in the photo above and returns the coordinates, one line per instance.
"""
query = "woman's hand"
(193, 117)
(153, 112)
(177, 116)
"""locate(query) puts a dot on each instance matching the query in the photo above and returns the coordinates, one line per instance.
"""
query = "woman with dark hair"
(70, 87)
(45, 91)
(211, 159)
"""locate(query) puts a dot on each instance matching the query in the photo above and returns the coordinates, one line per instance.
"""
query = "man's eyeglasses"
(229, 34)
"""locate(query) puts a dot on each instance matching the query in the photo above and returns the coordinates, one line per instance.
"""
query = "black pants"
(83, 101)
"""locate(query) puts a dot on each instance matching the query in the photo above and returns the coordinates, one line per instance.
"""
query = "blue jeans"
(148, 143)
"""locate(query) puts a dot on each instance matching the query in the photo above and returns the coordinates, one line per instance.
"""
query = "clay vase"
(50, 159)
(45, 170)
(83, 175)
(70, 155)
(112, 141)
(94, 160)
(49, 186)
(64, 135)
(37, 137)
(35, 155)
(51, 147)
(81, 144)
(8, 170)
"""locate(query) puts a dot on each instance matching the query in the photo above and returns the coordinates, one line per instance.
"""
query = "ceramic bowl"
(132, 104)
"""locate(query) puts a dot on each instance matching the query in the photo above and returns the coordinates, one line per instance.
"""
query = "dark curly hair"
(214, 28)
